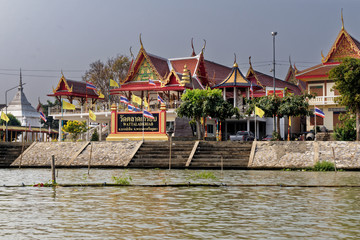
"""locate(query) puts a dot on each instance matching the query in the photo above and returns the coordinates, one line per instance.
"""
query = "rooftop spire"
(141, 44)
(250, 61)
(192, 46)
(20, 85)
(342, 20)
(235, 63)
(203, 48)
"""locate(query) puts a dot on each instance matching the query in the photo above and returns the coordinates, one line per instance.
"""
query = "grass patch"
(202, 175)
(124, 179)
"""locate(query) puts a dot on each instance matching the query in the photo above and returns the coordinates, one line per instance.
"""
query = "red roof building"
(318, 82)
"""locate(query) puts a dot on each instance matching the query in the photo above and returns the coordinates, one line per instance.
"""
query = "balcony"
(323, 100)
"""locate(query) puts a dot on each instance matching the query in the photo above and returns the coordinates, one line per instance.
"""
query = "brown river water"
(227, 212)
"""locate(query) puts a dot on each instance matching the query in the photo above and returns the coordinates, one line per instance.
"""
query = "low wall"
(71, 154)
(303, 154)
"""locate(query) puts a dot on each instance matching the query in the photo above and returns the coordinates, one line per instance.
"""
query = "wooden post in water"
(90, 159)
(22, 150)
(222, 166)
(53, 176)
(170, 154)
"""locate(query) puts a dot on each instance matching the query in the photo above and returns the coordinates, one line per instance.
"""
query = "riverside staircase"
(154, 154)
(190, 154)
(9, 151)
(217, 155)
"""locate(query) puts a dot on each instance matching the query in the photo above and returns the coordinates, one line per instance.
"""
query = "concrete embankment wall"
(271, 155)
(298, 154)
(78, 154)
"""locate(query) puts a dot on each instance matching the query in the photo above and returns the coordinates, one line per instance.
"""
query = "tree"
(100, 73)
(347, 82)
(345, 130)
(12, 122)
(53, 124)
(290, 106)
(198, 103)
(75, 128)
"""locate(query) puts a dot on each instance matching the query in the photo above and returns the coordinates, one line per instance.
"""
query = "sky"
(45, 37)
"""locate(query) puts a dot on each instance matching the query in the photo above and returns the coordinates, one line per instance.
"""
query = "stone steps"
(207, 155)
(223, 154)
(157, 154)
(9, 151)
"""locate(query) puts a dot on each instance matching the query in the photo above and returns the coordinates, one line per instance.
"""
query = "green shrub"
(324, 166)
(346, 129)
(95, 136)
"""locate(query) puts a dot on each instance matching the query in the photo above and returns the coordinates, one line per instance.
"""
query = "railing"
(105, 108)
(323, 100)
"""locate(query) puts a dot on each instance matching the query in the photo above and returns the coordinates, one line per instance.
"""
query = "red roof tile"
(178, 64)
(160, 64)
(320, 70)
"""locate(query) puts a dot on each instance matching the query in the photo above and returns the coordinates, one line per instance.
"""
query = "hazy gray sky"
(44, 37)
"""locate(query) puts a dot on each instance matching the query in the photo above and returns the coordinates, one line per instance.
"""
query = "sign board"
(133, 122)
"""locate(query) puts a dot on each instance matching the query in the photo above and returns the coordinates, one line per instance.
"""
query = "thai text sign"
(135, 122)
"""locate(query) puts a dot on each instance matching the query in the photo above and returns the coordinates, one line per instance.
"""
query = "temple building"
(266, 83)
(21, 108)
(318, 82)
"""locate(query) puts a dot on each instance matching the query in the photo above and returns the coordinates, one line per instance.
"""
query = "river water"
(253, 212)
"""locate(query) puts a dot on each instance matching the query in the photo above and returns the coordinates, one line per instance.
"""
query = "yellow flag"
(289, 121)
(146, 103)
(259, 112)
(4, 117)
(136, 99)
(113, 83)
(101, 95)
(92, 115)
(67, 105)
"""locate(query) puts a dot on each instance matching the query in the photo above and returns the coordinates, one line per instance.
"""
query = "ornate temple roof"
(235, 79)
(73, 89)
(265, 80)
(344, 46)
(167, 74)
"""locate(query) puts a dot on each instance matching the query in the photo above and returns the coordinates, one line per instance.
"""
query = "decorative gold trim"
(131, 71)
(335, 45)
(65, 82)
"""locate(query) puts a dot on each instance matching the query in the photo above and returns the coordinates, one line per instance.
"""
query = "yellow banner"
(289, 121)
(136, 99)
(146, 103)
(4, 117)
(113, 83)
(259, 112)
(92, 115)
(68, 106)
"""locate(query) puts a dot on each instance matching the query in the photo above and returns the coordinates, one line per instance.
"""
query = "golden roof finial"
(141, 44)
(342, 20)
(235, 64)
(250, 61)
(290, 60)
(322, 55)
